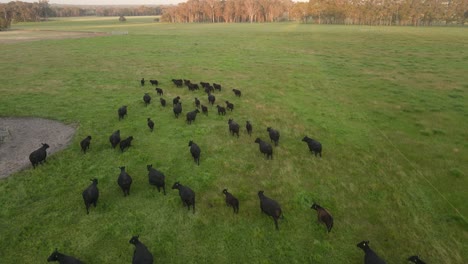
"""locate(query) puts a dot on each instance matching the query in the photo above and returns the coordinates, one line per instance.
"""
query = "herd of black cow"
(268, 206)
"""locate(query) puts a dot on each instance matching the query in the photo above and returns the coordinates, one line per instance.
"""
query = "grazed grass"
(388, 104)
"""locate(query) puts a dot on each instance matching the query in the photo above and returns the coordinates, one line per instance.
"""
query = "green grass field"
(389, 105)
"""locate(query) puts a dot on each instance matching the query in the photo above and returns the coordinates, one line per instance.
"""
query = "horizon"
(112, 2)
(105, 2)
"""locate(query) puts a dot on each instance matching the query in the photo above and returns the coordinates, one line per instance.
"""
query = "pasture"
(388, 104)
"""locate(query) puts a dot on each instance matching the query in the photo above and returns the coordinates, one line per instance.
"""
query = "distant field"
(15, 36)
(389, 105)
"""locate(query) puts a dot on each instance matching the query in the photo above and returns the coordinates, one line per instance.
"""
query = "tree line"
(18, 11)
(73, 11)
(21, 12)
(352, 12)
(229, 11)
(384, 12)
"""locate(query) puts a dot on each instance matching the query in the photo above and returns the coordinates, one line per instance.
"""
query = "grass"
(389, 105)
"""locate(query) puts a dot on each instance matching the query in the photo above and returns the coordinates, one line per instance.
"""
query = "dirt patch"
(15, 36)
(21, 136)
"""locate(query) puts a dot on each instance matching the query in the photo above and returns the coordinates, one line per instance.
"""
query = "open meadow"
(388, 104)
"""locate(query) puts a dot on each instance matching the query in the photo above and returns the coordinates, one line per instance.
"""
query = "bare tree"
(251, 8)
(210, 6)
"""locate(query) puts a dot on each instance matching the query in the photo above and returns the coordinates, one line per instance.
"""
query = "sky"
(111, 2)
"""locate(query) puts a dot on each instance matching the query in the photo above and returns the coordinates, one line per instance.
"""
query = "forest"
(352, 12)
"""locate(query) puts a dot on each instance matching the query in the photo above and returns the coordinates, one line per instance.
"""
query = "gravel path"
(21, 136)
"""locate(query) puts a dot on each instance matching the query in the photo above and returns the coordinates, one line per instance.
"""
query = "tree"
(5, 17)
(461, 11)
(300, 11)
(317, 9)
(122, 18)
(229, 12)
(209, 8)
(251, 7)
(44, 9)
